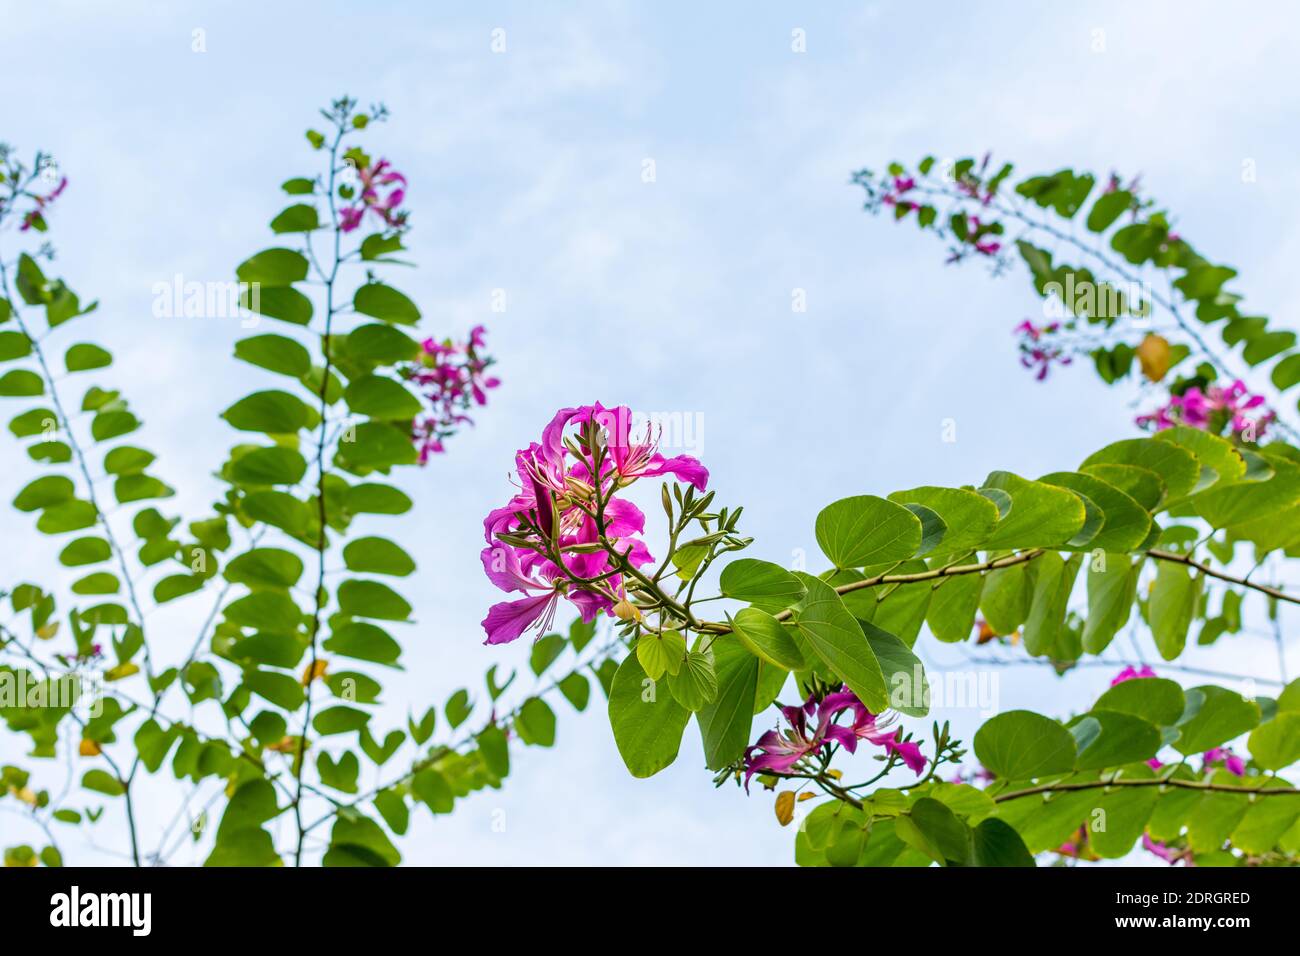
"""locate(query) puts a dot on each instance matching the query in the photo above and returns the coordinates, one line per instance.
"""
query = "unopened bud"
(625, 610)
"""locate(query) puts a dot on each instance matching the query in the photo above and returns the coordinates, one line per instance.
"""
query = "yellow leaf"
(835, 774)
(1154, 355)
(121, 670)
(785, 807)
(806, 795)
(88, 748)
(48, 631)
(313, 670)
(24, 794)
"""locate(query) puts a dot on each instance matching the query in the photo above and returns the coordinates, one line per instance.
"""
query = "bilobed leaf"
(273, 267)
(1214, 715)
(725, 722)
(866, 530)
(1276, 743)
(265, 568)
(646, 720)
(767, 637)
(1126, 523)
(44, 492)
(1108, 738)
(535, 723)
(273, 465)
(951, 613)
(909, 691)
(1154, 699)
(371, 599)
(379, 397)
(1172, 607)
(1176, 466)
(762, 583)
(275, 353)
(377, 556)
(695, 684)
(84, 356)
(272, 412)
(1041, 516)
(834, 635)
(384, 302)
(299, 217)
(970, 517)
(660, 653)
(1112, 589)
(1020, 744)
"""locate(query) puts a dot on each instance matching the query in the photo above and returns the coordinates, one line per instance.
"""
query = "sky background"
(525, 171)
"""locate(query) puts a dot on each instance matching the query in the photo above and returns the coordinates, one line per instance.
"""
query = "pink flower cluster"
(454, 380)
(1216, 409)
(1037, 354)
(35, 217)
(566, 533)
(894, 196)
(1132, 673)
(778, 752)
(382, 191)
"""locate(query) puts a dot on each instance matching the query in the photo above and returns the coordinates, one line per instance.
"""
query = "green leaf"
(265, 568)
(364, 642)
(380, 343)
(280, 510)
(273, 650)
(1172, 607)
(265, 610)
(1041, 516)
(359, 841)
(695, 683)
(85, 551)
(126, 460)
(273, 267)
(576, 690)
(84, 356)
(376, 499)
(275, 353)
(130, 488)
(1176, 466)
(1109, 207)
(866, 530)
(1126, 524)
(1155, 699)
(377, 556)
(1108, 738)
(176, 585)
(661, 653)
(1112, 589)
(765, 585)
(376, 444)
(298, 186)
(646, 720)
(1214, 716)
(951, 613)
(997, 844)
(339, 720)
(970, 517)
(300, 217)
(20, 383)
(341, 774)
(14, 345)
(544, 653)
(45, 491)
(379, 397)
(944, 838)
(281, 302)
(274, 465)
(535, 723)
(107, 425)
(1019, 745)
(68, 516)
(101, 781)
(34, 422)
(372, 600)
(384, 302)
(1053, 581)
(834, 635)
(1276, 744)
(273, 412)
(99, 583)
(280, 689)
(909, 691)
(765, 636)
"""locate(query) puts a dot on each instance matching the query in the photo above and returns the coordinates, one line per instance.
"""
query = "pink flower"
(871, 728)
(1168, 854)
(382, 191)
(1223, 756)
(1217, 409)
(566, 520)
(1034, 354)
(453, 378)
(778, 752)
(35, 217)
(1132, 673)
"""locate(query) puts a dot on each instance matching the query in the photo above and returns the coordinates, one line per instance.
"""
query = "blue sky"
(526, 176)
